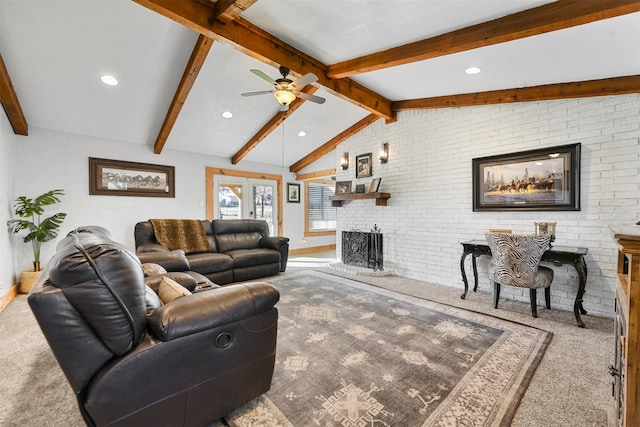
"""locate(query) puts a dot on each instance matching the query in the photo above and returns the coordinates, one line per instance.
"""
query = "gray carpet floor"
(571, 386)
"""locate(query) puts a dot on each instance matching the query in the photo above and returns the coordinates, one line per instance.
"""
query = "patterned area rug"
(350, 354)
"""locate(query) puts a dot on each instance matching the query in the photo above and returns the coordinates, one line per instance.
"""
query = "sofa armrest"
(211, 309)
(274, 242)
(280, 244)
(170, 260)
(151, 247)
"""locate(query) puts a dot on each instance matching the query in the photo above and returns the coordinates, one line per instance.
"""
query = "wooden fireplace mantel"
(380, 198)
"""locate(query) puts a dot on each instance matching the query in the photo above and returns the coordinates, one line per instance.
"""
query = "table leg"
(475, 272)
(464, 275)
(581, 269)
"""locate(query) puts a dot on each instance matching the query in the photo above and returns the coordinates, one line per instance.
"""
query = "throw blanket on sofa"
(185, 234)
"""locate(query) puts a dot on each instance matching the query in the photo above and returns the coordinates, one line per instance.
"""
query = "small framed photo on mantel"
(375, 185)
(343, 187)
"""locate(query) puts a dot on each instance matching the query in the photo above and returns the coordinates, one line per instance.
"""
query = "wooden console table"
(557, 255)
(381, 198)
(626, 368)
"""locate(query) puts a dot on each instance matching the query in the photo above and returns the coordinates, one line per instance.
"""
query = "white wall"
(430, 181)
(8, 142)
(50, 159)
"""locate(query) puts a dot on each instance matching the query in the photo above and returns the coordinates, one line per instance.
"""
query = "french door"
(236, 197)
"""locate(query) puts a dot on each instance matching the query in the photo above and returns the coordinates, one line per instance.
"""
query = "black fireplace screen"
(362, 249)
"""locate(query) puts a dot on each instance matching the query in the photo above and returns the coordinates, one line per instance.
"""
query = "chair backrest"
(90, 302)
(516, 257)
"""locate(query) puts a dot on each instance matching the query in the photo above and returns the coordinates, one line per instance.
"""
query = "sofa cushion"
(171, 290)
(250, 257)
(232, 241)
(151, 269)
(234, 234)
(205, 263)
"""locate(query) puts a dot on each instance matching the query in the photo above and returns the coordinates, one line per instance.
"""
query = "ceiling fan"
(286, 90)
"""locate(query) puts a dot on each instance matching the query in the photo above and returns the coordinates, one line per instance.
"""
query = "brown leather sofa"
(134, 361)
(239, 250)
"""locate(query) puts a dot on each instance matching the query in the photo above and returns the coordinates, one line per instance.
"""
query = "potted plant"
(38, 230)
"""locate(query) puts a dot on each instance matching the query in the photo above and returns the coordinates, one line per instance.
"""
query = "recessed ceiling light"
(473, 70)
(109, 80)
(227, 114)
(554, 155)
(302, 133)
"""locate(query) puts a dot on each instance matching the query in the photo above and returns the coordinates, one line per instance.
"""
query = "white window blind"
(322, 216)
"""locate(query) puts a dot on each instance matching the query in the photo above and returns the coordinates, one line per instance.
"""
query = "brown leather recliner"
(131, 360)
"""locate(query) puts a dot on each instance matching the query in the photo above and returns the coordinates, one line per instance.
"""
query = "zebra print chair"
(515, 261)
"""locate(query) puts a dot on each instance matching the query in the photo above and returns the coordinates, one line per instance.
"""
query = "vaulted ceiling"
(181, 64)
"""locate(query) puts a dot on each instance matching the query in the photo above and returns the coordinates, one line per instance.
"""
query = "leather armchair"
(131, 360)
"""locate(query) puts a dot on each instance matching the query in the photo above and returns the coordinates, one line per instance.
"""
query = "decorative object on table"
(119, 178)
(343, 187)
(39, 230)
(515, 261)
(384, 153)
(359, 188)
(546, 179)
(375, 185)
(293, 193)
(546, 229)
(363, 165)
(500, 230)
(423, 365)
(344, 162)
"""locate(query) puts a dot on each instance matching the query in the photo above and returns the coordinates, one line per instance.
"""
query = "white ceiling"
(56, 51)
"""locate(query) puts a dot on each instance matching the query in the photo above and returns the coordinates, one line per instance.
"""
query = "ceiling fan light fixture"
(284, 97)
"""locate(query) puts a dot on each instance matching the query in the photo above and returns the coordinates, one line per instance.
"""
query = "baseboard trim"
(8, 297)
(311, 249)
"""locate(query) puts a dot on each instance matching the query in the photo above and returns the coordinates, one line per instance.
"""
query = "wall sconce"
(384, 152)
(345, 161)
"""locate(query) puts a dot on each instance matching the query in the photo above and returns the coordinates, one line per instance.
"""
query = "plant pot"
(27, 279)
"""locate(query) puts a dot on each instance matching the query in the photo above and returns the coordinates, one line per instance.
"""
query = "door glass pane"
(230, 200)
(263, 204)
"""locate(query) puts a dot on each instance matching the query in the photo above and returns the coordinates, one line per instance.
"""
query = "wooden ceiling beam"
(198, 56)
(251, 40)
(10, 102)
(226, 11)
(270, 126)
(589, 88)
(330, 145)
(317, 174)
(548, 17)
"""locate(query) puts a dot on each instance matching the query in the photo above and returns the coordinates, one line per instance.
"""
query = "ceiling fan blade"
(312, 98)
(263, 76)
(260, 92)
(303, 81)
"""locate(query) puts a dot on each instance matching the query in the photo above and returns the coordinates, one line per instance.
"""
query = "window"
(320, 216)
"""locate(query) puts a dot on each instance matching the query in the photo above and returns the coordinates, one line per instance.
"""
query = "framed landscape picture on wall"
(546, 179)
(119, 178)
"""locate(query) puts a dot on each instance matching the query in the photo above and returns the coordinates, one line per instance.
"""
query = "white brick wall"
(430, 181)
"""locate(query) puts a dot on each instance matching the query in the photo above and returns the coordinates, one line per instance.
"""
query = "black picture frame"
(375, 185)
(293, 193)
(546, 179)
(364, 165)
(119, 178)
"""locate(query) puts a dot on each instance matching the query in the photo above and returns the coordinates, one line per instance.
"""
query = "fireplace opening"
(362, 249)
